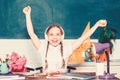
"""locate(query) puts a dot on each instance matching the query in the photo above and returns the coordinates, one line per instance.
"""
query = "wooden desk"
(44, 77)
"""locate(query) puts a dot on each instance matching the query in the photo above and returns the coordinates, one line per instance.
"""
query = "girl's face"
(54, 36)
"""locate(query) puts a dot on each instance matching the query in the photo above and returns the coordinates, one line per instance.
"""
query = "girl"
(55, 51)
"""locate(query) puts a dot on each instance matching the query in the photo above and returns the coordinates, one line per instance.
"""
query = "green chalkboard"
(72, 15)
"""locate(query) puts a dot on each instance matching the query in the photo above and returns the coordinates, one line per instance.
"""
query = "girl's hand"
(27, 10)
(101, 23)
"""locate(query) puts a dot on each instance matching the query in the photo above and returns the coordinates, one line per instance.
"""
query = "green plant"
(107, 34)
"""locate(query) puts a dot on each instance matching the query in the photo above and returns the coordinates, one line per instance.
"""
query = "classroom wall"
(25, 47)
(22, 47)
(72, 15)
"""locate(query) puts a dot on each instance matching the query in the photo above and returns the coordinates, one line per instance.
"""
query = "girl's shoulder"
(66, 43)
(67, 47)
(43, 46)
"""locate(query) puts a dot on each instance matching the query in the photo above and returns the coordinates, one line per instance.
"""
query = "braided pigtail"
(63, 61)
(46, 62)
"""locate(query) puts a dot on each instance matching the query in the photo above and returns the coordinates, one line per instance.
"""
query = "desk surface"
(44, 77)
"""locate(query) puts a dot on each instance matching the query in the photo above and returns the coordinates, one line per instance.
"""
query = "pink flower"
(17, 63)
(14, 56)
(7, 55)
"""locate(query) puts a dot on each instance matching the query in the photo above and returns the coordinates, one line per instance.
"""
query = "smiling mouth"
(55, 41)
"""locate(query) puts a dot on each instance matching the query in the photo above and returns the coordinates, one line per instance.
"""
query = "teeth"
(54, 41)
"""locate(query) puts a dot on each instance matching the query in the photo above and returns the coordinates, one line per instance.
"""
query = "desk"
(85, 73)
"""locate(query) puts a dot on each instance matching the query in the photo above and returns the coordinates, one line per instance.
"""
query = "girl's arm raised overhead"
(33, 36)
(80, 40)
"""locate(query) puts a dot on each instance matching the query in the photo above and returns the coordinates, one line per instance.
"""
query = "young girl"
(55, 51)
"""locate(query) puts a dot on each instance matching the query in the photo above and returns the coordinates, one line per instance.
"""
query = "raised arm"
(79, 41)
(33, 36)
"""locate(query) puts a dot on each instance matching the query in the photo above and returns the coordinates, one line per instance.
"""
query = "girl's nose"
(54, 36)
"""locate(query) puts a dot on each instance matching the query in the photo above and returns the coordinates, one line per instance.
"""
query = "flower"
(16, 63)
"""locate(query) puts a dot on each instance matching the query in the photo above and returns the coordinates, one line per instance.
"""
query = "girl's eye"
(51, 34)
(58, 34)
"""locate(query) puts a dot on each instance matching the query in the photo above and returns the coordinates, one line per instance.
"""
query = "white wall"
(24, 46)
